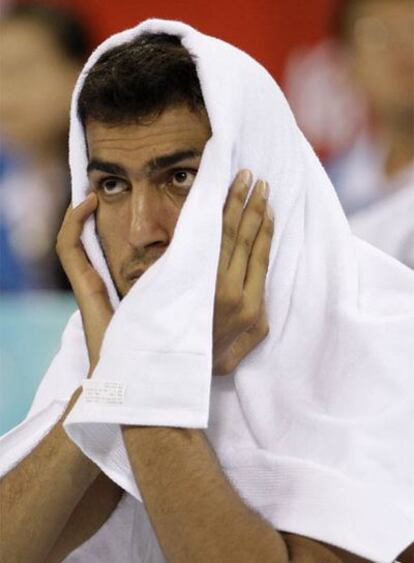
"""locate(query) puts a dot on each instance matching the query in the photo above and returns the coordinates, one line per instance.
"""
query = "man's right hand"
(88, 287)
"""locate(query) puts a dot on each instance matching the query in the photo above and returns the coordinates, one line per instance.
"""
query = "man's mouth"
(133, 271)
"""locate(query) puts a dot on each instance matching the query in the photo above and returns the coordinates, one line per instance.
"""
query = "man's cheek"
(108, 249)
(113, 237)
(114, 261)
(100, 220)
(113, 257)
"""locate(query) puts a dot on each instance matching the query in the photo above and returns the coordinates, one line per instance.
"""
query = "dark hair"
(140, 79)
(66, 28)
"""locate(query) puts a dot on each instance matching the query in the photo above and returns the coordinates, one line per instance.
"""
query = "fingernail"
(269, 212)
(81, 203)
(264, 189)
(246, 177)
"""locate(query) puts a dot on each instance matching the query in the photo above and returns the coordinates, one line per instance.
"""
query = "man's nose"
(146, 219)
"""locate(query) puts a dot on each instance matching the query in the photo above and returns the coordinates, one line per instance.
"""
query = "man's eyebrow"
(154, 165)
(165, 161)
(108, 167)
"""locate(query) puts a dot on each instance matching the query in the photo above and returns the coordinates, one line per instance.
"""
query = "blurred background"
(346, 66)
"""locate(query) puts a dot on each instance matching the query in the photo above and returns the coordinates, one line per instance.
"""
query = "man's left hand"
(240, 321)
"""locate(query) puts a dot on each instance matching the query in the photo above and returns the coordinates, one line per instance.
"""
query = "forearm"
(39, 494)
(195, 512)
(92, 511)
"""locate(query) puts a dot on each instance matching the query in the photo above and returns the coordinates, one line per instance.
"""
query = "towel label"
(104, 392)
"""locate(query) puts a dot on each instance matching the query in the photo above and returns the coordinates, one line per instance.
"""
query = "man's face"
(142, 174)
(37, 80)
(381, 44)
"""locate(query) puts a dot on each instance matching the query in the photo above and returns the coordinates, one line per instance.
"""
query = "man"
(143, 160)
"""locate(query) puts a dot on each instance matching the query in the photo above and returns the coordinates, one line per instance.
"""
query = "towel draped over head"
(316, 427)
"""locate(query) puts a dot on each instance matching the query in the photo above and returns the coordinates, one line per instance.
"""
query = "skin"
(138, 208)
(218, 525)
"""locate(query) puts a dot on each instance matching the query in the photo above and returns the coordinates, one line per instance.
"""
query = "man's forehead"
(174, 126)
(174, 138)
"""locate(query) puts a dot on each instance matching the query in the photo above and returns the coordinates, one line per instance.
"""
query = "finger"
(69, 246)
(75, 218)
(259, 262)
(250, 339)
(67, 213)
(250, 225)
(242, 346)
(232, 213)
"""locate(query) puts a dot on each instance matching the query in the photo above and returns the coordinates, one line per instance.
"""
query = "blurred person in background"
(42, 49)
(375, 177)
(352, 94)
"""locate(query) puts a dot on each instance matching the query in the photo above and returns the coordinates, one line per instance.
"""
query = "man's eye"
(112, 186)
(182, 180)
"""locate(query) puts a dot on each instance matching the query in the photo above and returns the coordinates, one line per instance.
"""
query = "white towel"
(389, 223)
(325, 405)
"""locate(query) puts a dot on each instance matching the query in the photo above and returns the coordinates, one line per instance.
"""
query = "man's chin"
(122, 290)
(124, 287)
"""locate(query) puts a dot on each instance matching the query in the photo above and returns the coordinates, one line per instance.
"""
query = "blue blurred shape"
(31, 326)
